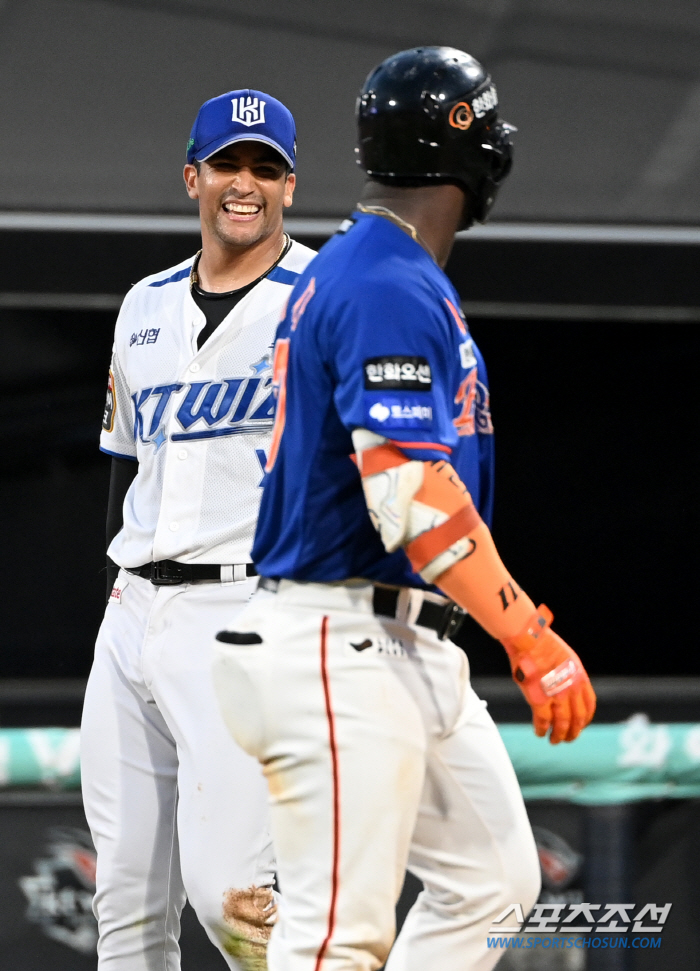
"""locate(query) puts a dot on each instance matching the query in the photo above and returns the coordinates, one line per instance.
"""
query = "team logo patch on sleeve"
(110, 405)
(397, 373)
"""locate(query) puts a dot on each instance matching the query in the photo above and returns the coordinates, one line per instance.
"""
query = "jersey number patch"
(466, 395)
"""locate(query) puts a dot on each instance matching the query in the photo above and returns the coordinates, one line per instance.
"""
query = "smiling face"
(242, 192)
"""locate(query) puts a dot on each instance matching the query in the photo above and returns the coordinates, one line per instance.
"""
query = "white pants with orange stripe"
(378, 756)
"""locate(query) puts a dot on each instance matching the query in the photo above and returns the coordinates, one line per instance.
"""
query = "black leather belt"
(445, 619)
(165, 573)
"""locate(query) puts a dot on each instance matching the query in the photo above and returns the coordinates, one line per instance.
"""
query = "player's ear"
(190, 176)
(289, 189)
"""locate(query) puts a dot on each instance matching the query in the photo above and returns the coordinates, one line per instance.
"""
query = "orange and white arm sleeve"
(425, 508)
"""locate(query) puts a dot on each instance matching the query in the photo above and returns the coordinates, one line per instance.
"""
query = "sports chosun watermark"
(512, 931)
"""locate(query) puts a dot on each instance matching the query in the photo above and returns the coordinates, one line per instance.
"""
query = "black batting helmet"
(431, 114)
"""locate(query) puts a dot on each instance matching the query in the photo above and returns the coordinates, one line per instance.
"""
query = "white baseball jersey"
(197, 421)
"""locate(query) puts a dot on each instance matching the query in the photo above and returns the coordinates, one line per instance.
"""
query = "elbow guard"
(422, 506)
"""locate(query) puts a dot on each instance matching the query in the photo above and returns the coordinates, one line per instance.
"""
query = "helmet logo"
(461, 116)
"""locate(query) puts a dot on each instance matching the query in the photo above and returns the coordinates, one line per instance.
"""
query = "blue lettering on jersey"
(139, 399)
(262, 459)
(165, 391)
(266, 410)
(144, 337)
(206, 409)
(245, 400)
(197, 405)
(250, 413)
(398, 411)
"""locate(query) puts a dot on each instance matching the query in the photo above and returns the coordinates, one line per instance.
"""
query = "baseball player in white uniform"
(175, 807)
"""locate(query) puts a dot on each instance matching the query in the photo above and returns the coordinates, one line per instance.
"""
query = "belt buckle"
(163, 575)
(452, 618)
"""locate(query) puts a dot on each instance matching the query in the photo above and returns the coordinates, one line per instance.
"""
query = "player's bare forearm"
(426, 509)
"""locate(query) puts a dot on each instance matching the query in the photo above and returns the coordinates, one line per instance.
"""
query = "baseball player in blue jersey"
(174, 805)
(338, 676)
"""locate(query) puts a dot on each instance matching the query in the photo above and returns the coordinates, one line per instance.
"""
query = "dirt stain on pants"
(249, 916)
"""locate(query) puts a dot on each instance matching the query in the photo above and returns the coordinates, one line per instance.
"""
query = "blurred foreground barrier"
(40, 757)
(608, 764)
(581, 799)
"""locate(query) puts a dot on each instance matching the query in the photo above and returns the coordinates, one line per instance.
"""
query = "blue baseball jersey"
(373, 338)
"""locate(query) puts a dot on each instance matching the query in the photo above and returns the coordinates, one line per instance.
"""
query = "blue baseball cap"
(244, 115)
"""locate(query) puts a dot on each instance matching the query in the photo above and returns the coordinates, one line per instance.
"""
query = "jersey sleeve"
(393, 357)
(117, 437)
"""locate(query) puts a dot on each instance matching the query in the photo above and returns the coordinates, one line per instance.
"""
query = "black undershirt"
(215, 307)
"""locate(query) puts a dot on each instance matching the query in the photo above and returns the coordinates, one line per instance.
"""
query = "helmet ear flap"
(497, 150)
(484, 199)
(501, 148)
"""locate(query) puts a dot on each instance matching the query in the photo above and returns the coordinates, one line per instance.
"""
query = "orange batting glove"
(552, 678)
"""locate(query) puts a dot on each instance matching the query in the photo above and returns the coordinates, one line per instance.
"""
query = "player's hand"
(552, 678)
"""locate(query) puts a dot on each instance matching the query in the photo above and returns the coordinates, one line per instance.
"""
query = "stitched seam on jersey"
(336, 793)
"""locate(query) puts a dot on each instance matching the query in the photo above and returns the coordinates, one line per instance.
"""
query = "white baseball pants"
(175, 807)
(378, 756)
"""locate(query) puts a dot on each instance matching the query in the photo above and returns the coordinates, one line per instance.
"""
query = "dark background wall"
(596, 502)
(596, 418)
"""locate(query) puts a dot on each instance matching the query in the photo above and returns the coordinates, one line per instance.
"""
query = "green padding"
(40, 756)
(608, 764)
(626, 762)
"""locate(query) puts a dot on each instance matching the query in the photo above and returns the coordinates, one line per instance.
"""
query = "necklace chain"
(194, 274)
(389, 214)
